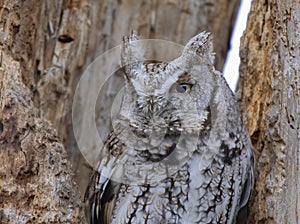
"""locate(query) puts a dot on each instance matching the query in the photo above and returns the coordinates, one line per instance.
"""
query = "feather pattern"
(173, 157)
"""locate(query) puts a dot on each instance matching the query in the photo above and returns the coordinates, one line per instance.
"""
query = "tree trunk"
(268, 92)
(45, 47)
(36, 181)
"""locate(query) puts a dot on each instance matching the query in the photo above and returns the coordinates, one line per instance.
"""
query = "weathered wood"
(268, 92)
(36, 179)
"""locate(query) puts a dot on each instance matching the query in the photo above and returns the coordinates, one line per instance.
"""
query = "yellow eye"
(184, 88)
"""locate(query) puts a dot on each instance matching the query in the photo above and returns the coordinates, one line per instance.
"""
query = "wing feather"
(102, 191)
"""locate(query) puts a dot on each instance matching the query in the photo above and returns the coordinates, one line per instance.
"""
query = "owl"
(178, 152)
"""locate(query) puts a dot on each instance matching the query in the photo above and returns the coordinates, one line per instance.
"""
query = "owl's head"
(167, 97)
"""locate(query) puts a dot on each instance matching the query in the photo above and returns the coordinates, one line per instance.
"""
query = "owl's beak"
(152, 104)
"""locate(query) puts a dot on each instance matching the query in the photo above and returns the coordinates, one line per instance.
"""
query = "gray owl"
(178, 152)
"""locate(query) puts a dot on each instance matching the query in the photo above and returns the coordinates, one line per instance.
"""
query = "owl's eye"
(184, 88)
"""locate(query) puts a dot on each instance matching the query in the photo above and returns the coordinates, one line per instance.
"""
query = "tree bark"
(44, 48)
(36, 183)
(268, 91)
(36, 180)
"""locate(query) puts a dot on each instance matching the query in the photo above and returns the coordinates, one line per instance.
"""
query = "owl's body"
(179, 152)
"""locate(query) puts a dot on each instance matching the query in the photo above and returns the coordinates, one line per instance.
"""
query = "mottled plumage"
(178, 152)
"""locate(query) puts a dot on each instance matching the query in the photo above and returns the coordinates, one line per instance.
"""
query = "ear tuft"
(200, 47)
(133, 37)
(132, 51)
